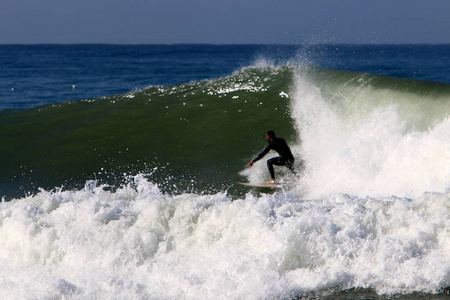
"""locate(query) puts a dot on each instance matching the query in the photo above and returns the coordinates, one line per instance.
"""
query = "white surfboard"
(267, 185)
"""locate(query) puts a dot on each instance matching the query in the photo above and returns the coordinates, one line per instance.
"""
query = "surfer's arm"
(262, 154)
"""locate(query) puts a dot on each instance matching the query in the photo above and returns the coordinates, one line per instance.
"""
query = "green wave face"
(191, 136)
(198, 137)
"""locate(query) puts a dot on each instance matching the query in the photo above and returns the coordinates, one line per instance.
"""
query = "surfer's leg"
(270, 167)
(290, 165)
(274, 161)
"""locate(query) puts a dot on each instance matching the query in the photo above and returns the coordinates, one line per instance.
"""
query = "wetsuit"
(285, 159)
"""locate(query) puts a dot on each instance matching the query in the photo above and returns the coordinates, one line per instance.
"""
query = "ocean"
(119, 171)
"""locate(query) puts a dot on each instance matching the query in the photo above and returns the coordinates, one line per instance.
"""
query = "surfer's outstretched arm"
(262, 154)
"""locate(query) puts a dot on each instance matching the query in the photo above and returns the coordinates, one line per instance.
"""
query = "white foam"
(138, 243)
(351, 145)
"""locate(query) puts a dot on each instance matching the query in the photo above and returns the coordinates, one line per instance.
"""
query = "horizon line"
(225, 44)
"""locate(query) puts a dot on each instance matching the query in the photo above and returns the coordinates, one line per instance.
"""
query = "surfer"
(285, 159)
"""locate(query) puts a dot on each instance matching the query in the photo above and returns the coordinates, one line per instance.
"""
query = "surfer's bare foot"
(271, 181)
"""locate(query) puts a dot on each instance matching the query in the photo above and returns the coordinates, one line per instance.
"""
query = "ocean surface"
(119, 167)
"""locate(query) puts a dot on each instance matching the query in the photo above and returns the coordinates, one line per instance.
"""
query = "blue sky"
(224, 22)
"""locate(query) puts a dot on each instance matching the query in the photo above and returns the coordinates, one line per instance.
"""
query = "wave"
(352, 133)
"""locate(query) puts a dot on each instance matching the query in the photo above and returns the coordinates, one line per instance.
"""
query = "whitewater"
(140, 244)
(370, 211)
(364, 140)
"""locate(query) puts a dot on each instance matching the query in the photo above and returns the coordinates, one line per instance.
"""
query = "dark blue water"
(32, 75)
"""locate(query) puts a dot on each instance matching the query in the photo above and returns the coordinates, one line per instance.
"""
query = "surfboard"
(267, 185)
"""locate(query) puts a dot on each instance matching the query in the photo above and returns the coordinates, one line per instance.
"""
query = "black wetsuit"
(285, 159)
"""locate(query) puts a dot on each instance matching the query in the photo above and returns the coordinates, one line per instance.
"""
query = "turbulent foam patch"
(138, 243)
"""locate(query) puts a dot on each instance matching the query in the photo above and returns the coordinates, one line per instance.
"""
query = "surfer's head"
(270, 135)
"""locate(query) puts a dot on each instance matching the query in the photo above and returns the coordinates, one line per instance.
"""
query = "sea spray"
(370, 144)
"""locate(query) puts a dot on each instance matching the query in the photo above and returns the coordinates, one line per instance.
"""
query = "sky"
(224, 21)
